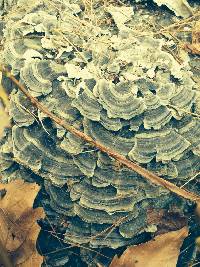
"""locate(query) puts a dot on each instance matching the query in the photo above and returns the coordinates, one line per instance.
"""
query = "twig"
(131, 165)
(191, 179)
(177, 109)
(195, 264)
(73, 244)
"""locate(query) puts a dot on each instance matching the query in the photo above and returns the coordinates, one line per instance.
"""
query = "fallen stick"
(150, 176)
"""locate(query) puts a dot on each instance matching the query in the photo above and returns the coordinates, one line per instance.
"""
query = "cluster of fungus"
(126, 92)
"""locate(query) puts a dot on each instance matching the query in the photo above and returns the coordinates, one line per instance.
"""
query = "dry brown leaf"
(18, 223)
(197, 211)
(162, 251)
(194, 47)
(3, 94)
(4, 120)
(167, 220)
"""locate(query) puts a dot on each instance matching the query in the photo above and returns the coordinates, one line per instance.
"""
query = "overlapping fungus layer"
(124, 91)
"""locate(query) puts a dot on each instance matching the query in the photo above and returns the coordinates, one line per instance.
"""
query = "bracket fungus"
(124, 91)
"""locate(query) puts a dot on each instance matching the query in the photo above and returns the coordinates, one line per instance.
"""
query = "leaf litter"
(18, 223)
(163, 251)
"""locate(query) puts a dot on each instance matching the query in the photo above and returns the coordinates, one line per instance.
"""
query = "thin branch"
(191, 179)
(73, 244)
(150, 176)
(177, 109)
